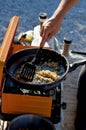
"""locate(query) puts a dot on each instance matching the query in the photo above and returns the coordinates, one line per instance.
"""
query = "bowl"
(30, 122)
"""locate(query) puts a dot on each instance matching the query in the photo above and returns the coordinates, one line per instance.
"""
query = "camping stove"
(15, 100)
(10, 91)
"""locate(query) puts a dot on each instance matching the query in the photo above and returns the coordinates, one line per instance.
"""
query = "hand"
(49, 29)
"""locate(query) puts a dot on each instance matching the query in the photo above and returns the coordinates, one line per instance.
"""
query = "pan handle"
(74, 65)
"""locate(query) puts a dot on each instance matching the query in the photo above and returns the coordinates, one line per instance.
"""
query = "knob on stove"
(52, 92)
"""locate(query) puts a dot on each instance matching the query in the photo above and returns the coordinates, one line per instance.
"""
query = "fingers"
(43, 40)
(44, 35)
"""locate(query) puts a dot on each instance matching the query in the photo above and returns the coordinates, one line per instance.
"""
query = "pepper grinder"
(66, 46)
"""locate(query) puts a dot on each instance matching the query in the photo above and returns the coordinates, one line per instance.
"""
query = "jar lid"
(43, 15)
(68, 41)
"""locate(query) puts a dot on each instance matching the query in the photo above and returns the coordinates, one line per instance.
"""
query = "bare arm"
(53, 24)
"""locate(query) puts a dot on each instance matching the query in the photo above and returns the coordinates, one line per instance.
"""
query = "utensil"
(28, 70)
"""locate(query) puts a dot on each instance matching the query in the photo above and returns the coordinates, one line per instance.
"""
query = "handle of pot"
(76, 64)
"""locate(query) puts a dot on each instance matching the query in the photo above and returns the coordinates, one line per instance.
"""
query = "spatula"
(28, 70)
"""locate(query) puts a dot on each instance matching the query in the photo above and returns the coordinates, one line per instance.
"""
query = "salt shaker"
(42, 18)
(66, 46)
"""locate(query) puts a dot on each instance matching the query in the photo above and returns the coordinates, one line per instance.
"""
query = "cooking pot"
(30, 122)
(17, 59)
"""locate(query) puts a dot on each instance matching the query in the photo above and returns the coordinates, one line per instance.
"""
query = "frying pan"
(17, 59)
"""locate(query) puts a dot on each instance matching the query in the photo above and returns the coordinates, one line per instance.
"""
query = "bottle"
(42, 18)
(66, 46)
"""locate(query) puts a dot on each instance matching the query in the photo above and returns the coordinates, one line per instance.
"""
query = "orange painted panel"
(7, 44)
(20, 104)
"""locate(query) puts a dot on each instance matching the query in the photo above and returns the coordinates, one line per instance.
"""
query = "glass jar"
(42, 18)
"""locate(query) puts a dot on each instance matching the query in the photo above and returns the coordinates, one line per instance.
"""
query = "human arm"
(52, 25)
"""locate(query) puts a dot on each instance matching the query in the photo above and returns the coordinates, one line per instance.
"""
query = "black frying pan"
(16, 60)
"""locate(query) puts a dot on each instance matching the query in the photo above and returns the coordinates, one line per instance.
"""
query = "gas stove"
(16, 101)
(9, 88)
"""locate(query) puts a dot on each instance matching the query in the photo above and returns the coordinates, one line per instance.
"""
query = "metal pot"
(30, 122)
(15, 61)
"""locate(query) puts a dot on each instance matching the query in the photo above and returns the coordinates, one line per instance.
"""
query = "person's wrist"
(57, 17)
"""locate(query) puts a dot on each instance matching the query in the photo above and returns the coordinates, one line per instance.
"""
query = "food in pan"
(45, 73)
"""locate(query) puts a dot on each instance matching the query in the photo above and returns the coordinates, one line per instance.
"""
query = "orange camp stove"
(17, 101)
